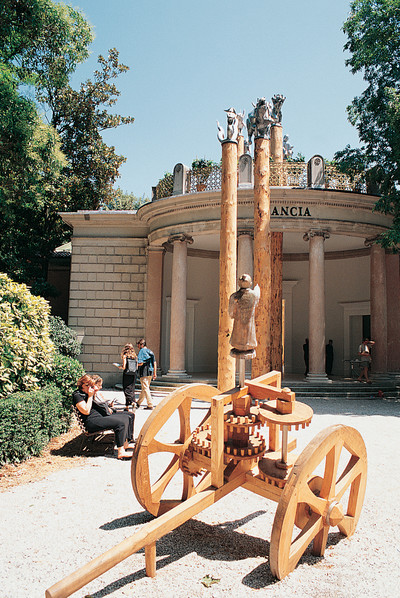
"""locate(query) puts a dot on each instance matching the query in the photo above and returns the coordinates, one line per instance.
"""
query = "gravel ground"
(52, 527)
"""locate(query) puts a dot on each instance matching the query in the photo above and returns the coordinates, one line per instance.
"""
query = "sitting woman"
(108, 405)
(96, 417)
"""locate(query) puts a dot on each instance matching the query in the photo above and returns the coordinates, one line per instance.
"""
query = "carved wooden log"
(227, 263)
(262, 262)
(276, 300)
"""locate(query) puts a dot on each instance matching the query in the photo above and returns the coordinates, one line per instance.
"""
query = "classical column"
(378, 308)
(316, 305)
(393, 311)
(154, 298)
(178, 306)
(245, 253)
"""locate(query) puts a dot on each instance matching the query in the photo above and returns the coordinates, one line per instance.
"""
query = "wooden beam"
(262, 256)
(227, 263)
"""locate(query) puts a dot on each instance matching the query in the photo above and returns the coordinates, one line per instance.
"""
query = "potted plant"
(201, 169)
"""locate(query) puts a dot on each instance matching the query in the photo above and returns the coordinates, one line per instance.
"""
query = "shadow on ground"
(220, 542)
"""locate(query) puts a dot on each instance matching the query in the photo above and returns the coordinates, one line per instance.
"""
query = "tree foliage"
(124, 200)
(373, 30)
(63, 165)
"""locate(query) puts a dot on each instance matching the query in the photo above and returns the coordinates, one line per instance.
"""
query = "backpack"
(131, 366)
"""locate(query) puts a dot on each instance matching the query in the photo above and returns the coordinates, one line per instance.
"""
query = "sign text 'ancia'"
(292, 211)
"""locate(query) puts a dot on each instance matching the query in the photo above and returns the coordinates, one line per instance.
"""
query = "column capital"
(245, 232)
(369, 241)
(316, 233)
(155, 249)
(181, 237)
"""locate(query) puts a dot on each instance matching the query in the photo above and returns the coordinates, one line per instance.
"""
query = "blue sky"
(191, 60)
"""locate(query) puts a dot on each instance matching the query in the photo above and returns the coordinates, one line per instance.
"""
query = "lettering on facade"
(292, 211)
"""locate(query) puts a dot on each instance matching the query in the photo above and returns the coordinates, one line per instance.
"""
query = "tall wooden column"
(276, 300)
(262, 256)
(276, 146)
(227, 262)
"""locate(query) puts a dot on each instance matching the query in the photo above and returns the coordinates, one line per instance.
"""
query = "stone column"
(316, 305)
(393, 311)
(245, 253)
(155, 257)
(378, 308)
(178, 306)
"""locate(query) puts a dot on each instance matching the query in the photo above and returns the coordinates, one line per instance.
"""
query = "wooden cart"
(243, 441)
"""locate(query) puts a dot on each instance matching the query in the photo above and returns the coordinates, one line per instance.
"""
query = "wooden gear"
(322, 488)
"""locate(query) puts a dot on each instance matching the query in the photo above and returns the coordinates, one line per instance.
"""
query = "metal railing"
(285, 174)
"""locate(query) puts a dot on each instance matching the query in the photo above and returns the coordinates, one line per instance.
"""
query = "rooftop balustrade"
(298, 175)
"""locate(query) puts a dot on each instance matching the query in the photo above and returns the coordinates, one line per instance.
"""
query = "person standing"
(364, 353)
(129, 367)
(147, 368)
(329, 357)
(306, 353)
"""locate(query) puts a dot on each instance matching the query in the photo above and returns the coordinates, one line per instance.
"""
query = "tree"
(372, 29)
(124, 200)
(61, 166)
(80, 117)
(31, 186)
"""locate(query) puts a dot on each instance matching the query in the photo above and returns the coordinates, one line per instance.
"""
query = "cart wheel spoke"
(307, 534)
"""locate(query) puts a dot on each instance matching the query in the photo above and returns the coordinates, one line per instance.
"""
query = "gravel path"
(52, 527)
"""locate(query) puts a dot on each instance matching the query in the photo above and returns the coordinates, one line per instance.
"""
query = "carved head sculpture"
(245, 281)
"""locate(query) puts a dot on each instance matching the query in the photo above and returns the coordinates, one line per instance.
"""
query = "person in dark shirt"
(329, 357)
(96, 418)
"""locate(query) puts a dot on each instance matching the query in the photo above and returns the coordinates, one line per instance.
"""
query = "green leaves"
(207, 581)
(373, 32)
(26, 350)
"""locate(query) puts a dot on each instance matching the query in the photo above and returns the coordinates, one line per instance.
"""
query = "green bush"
(64, 374)
(64, 338)
(28, 420)
(26, 349)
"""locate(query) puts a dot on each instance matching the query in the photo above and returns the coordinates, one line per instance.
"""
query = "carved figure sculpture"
(242, 305)
(259, 120)
(240, 118)
(277, 102)
(232, 127)
(287, 148)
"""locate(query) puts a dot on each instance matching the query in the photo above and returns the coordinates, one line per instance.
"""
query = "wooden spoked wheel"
(150, 494)
(313, 503)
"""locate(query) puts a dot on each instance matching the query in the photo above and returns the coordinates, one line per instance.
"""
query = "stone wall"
(107, 299)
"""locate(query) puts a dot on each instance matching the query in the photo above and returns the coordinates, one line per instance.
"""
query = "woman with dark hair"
(96, 418)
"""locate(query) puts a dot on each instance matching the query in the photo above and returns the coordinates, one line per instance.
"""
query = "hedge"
(28, 420)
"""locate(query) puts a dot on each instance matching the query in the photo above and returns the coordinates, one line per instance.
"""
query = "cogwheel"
(187, 464)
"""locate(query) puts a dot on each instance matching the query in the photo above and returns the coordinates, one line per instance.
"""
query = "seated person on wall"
(109, 406)
(96, 418)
